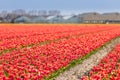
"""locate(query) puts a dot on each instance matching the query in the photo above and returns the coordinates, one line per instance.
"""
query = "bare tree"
(54, 12)
(4, 14)
(33, 12)
(19, 12)
(42, 13)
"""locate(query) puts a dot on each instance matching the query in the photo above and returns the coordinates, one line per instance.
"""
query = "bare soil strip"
(78, 71)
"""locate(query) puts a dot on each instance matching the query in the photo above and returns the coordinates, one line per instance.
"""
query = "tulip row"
(108, 68)
(8, 44)
(22, 31)
(40, 61)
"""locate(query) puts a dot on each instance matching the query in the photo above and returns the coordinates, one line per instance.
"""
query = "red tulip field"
(38, 52)
(108, 68)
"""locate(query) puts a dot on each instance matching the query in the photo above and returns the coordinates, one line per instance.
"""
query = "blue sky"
(62, 5)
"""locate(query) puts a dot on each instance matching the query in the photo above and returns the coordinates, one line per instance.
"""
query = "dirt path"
(76, 72)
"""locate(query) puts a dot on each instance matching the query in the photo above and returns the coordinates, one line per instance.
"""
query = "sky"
(65, 6)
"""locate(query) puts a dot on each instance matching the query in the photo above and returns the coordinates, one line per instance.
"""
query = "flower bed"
(44, 61)
(11, 40)
(108, 68)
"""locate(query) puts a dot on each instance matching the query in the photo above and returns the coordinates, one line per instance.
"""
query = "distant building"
(39, 19)
(72, 19)
(54, 16)
(112, 17)
(92, 18)
(55, 19)
(22, 19)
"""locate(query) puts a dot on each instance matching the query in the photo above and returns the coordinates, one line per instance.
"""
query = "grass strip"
(77, 61)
